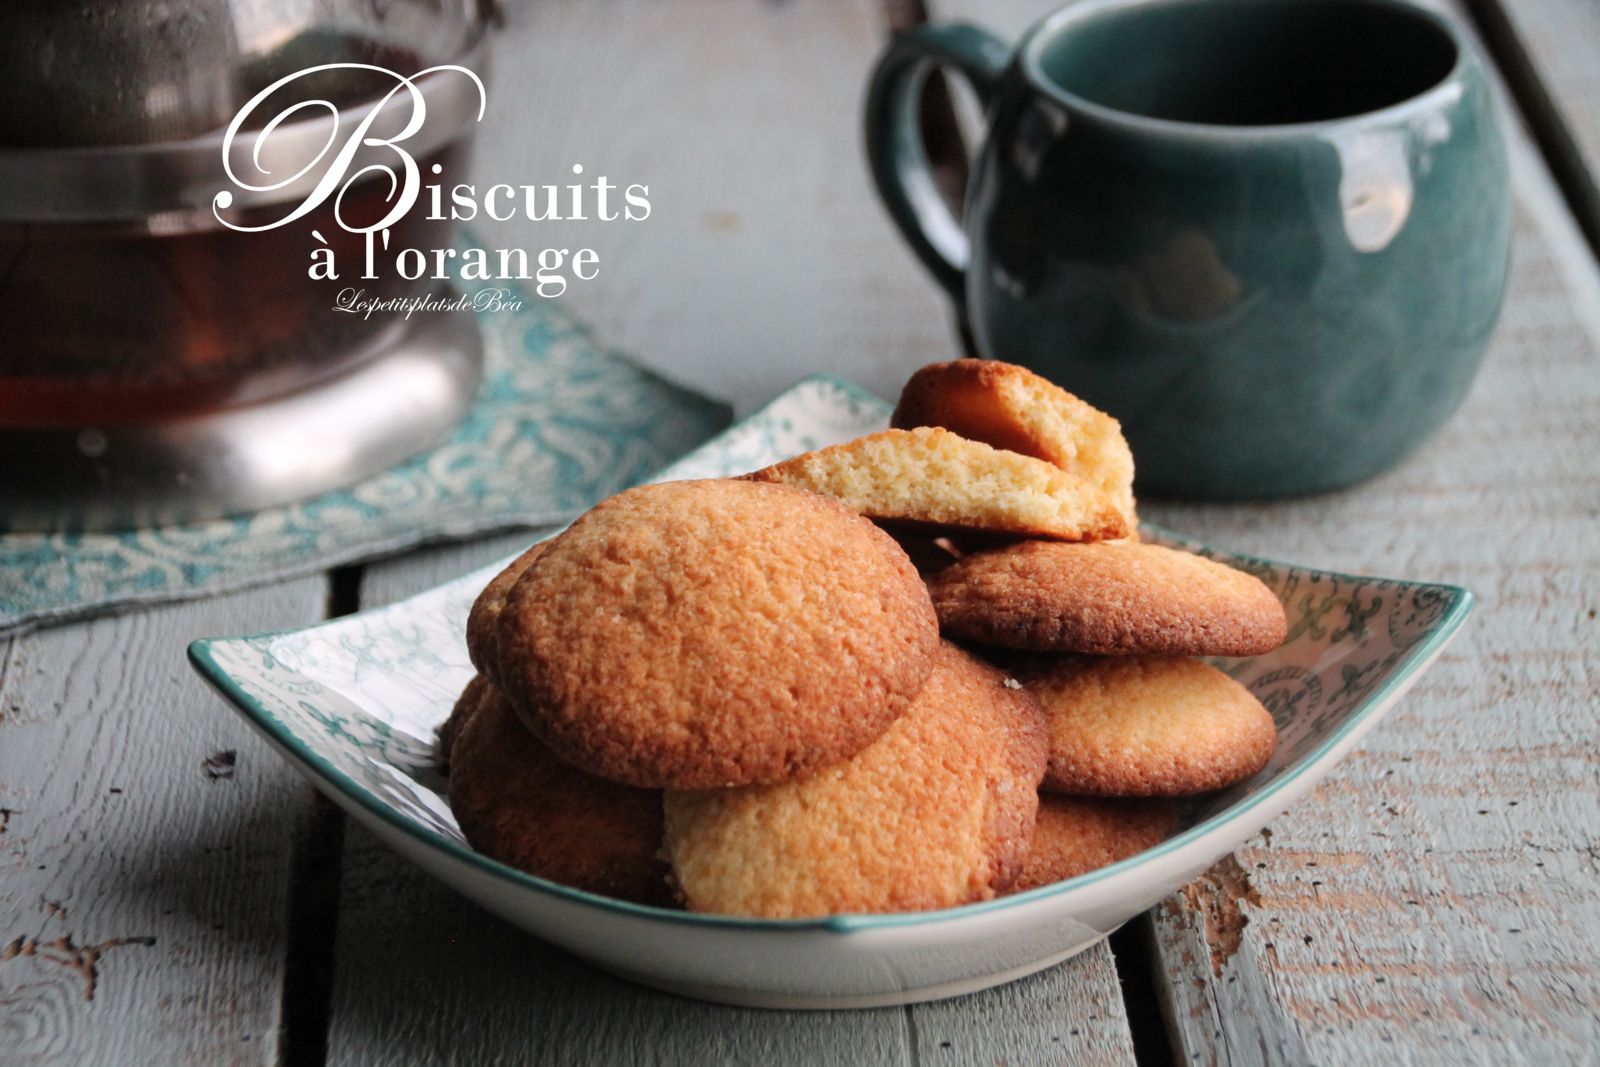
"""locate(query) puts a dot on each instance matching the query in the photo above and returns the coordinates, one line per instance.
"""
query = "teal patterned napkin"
(559, 423)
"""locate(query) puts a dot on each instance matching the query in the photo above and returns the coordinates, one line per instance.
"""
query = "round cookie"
(938, 812)
(465, 707)
(1109, 599)
(518, 804)
(713, 633)
(1076, 835)
(1010, 407)
(1140, 726)
(930, 479)
(483, 646)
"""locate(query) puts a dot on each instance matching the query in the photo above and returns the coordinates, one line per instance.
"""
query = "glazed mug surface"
(1270, 236)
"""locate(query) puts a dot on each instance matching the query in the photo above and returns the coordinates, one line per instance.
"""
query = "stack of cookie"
(734, 695)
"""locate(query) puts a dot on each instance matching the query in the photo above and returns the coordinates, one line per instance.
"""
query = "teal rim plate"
(354, 702)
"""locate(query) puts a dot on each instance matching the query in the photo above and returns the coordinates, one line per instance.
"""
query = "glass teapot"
(144, 320)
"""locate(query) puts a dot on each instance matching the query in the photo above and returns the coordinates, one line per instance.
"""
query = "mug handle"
(894, 142)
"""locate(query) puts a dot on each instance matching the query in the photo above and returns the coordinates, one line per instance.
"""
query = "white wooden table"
(171, 893)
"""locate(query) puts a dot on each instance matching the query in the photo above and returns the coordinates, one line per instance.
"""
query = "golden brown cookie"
(1076, 835)
(482, 637)
(1140, 726)
(1107, 599)
(932, 479)
(938, 812)
(711, 633)
(518, 804)
(1010, 407)
(465, 707)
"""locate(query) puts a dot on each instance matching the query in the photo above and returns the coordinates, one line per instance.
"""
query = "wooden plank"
(424, 978)
(1071, 1014)
(1435, 900)
(146, 837)
(765, 256)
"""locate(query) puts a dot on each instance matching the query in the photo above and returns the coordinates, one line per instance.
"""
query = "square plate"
(353, 703)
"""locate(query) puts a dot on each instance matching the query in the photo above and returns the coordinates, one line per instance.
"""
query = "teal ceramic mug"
(1271, 236)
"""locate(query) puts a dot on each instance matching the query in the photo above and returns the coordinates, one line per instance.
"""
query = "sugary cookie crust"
(1010, 407)
(938, 812)
(517, 803)
(939, 481)
(713, 633)
(483, 643)
(1109, 599)
(1130, 726)
(1076, 835)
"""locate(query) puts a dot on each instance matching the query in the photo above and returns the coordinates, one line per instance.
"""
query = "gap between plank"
(344, 591)
(1133, 950)
(1539, 110)
(913, 1039)
(313, 909)
(313, 923)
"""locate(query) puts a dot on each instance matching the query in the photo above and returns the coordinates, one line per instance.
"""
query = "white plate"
(353, 703)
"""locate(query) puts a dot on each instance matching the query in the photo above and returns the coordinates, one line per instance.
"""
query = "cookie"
(932, 479)
(714, 633)
(1010, 407)
(1142, 726)
(938, 812)
(465, 707)
(482, 638)
(517, 803)
(1076, 835)
(1118, 599)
